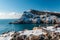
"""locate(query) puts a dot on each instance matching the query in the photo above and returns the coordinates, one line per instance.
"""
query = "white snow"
(37, 32)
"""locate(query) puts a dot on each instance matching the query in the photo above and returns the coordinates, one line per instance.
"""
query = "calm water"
(5, 27)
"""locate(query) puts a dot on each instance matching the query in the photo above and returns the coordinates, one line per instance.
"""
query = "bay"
(5, 26)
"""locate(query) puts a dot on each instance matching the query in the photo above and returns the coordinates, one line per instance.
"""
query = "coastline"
(35, 34)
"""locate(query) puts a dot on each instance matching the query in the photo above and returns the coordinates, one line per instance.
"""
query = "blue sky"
(22, 5)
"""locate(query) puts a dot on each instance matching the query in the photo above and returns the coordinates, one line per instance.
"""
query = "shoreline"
(36, 32)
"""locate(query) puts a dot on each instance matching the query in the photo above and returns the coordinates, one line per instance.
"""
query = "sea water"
(5, 26)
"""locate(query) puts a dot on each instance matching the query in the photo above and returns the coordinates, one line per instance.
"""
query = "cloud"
(11, 15)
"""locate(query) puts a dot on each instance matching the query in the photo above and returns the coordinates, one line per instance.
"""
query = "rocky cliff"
(34, 16)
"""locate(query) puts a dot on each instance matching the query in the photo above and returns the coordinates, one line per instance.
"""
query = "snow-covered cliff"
(34, 17)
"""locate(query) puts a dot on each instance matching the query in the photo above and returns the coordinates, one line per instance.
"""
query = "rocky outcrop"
(37, 33)
(34, 16)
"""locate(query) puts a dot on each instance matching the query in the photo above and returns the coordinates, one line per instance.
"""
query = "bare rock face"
(34, 16)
